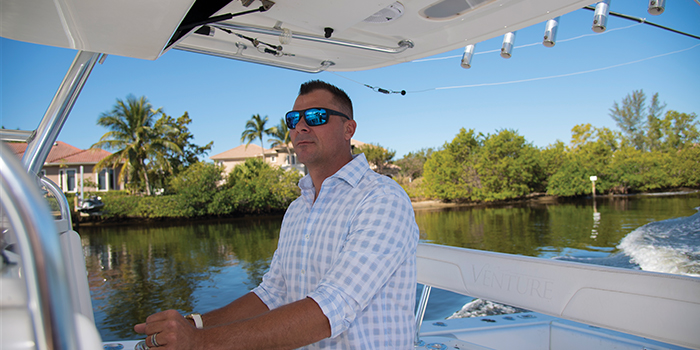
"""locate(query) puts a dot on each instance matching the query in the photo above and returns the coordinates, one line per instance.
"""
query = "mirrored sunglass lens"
(315, 116)
(292, 119)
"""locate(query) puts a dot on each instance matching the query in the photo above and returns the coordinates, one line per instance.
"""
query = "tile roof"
(240, 152)
(63, 153)
(17, 148)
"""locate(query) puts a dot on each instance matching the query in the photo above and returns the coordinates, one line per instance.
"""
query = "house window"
(105, 180)
(70, 180)
(292, 159)
(273, 159)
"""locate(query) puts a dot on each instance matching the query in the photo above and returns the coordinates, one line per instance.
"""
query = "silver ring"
(153, 340)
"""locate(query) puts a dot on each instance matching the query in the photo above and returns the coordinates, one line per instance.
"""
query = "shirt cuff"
(269, 299)
(338, 307)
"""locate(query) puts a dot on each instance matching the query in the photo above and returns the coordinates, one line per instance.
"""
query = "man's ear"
(349, 129)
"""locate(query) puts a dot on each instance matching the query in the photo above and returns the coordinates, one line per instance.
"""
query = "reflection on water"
(134, 271)
(548, 229)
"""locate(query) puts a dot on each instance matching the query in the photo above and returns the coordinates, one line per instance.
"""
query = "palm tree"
(280, 136)
(255, 129)
(138, 141)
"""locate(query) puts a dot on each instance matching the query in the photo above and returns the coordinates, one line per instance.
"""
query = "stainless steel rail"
(323, 65)
(420, 313)
(403, 45)
(57, 113)
(15, 135)
(48, 297)
(65, 222)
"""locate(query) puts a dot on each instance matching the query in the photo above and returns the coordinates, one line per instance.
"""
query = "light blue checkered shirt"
(353, 251)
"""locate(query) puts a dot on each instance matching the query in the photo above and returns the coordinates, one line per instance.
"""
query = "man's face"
(322, 145)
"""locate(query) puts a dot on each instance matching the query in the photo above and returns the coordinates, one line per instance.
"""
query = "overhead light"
(387, 14)
(550, 32)
(467, 56)
(600, 18)
(448, 9)
(508, 42)
(656, 7)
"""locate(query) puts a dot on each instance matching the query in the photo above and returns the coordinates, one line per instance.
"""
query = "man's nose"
(301, 125)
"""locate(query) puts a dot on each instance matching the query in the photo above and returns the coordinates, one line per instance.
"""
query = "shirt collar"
(351, 173)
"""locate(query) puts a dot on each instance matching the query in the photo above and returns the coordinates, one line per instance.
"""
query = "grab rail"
(239, 56)
(48, 296)
(64, 223)
(402, 45)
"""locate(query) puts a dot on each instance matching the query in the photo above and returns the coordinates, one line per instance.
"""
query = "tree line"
(156, 155)
(651, 151)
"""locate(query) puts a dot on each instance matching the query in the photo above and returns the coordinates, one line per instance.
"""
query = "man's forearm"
(287, 327)
(242, 308)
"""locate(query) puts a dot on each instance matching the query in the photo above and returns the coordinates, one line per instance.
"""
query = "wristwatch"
(197, 318)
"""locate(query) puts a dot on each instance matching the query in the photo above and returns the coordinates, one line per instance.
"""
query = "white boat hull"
(657, 306)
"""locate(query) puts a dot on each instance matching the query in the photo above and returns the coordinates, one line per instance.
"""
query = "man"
(344, 273)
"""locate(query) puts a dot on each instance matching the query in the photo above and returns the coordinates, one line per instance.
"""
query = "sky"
(540, 92)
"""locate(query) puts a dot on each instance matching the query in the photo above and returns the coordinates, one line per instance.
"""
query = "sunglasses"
(312, 116)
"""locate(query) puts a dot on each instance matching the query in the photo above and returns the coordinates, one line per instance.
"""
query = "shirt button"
(306, 236)
(303, 271)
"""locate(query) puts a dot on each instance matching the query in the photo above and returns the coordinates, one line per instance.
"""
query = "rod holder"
(508, 42)
(550, 32)
(600, 17)
(467, 56)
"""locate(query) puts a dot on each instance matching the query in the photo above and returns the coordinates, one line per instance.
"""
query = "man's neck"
(321, 173)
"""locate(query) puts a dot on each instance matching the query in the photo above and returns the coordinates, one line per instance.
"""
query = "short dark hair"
(338, 94)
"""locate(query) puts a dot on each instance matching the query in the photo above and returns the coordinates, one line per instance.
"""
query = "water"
(136, 270)
(669, 246)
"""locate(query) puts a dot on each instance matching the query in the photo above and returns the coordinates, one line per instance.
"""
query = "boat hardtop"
(309, 35)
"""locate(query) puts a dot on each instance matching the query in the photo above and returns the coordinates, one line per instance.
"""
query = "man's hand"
(172, 331)
(287, 327)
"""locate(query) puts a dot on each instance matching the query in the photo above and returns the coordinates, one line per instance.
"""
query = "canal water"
(136, 270)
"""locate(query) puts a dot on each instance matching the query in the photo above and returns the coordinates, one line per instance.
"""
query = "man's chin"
(303, 160)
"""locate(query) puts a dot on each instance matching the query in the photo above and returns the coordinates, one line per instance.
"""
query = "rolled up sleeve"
(272, 291)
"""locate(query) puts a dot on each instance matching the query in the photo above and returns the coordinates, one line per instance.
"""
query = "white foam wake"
(480, 307)
(669, 246)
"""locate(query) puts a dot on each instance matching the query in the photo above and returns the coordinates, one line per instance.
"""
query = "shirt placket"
(305, 243)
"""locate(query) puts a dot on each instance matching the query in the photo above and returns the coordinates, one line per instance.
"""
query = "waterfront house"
(66, 165)
(281, 156)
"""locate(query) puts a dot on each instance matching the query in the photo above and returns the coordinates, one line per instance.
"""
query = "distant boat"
(91, 205)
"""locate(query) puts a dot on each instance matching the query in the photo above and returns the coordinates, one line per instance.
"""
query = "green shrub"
(195, 188)
(255, 186)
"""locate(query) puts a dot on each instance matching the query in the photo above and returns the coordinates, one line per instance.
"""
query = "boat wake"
(480, 307)
(669, 246)
(620, 260)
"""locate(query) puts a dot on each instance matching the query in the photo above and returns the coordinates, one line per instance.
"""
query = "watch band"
(197, 318)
